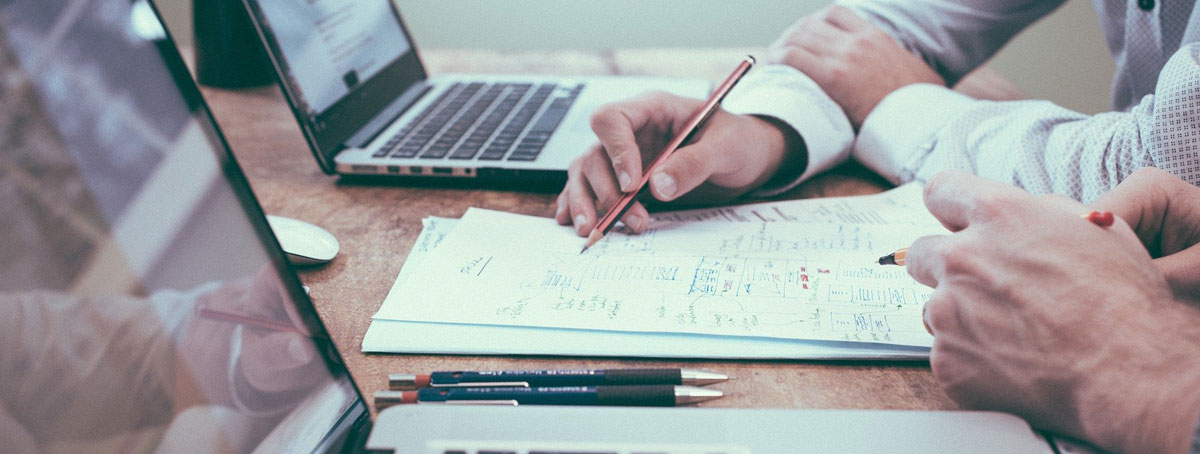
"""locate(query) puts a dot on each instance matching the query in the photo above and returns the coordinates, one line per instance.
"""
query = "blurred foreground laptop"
(351, 73)
(149, 308)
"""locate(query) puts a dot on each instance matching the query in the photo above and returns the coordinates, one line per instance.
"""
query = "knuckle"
(658, 97)
(947, 372)
(940, 314)
(933, 186)
(1149, 173)
(959, 259)
(603, 115)
(690, 164)
(793, 56)
(838, 71)
(995, 205)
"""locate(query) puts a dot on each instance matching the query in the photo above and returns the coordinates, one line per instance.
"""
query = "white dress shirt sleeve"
(922, 129)
(783, 93)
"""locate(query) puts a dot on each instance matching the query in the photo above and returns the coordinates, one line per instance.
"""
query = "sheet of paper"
(394, 336)
(433, 230)
(902, 206)
(782, 279)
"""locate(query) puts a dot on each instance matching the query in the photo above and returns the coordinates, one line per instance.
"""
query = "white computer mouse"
(305, 244)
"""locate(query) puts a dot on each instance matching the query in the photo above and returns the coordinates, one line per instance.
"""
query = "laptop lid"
(147, 307)
(343, 66)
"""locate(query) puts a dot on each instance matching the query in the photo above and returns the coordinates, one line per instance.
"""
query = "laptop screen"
(146, 306)
(341, 62)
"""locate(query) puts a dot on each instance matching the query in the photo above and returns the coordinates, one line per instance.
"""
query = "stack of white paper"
(793, 279)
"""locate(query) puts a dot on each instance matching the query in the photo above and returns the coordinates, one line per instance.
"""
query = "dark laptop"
(367, 106)
(149, 308)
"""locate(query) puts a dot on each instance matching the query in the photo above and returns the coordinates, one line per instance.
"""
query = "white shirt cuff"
(783, 93)
(900, 132)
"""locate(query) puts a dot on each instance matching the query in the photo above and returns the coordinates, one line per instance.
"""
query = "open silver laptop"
(351, 72)
(147, 307)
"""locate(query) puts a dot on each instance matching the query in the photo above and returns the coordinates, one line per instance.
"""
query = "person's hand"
(854, 62)
(732, 155)
(1165, 212)
(1042, 314)
(270, 362)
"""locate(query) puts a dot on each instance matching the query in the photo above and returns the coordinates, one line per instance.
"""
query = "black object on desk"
(563, 377)
(228, 51)
(648, 395)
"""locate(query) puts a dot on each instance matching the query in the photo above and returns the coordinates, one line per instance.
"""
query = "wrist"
(789, 156)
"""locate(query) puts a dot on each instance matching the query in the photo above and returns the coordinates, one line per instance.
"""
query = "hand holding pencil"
(731, 155)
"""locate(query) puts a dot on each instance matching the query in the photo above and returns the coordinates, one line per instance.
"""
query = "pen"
(606, 222)
(644, 395)
(567, 377)
(1100, 218)
(256, 322)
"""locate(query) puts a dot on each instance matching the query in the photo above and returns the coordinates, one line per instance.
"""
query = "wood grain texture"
(377, 225)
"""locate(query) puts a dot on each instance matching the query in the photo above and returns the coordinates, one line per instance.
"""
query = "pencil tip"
(889, 259)
(591, 240)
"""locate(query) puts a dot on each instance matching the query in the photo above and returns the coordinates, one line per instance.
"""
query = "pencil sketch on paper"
(724, 271)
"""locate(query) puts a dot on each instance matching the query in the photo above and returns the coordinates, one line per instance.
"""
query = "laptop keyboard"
(490, 122)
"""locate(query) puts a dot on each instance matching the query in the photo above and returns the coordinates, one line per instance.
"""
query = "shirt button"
(1146, 5)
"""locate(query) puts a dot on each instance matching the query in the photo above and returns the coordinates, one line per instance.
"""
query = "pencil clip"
(511, 402)
(494, 384)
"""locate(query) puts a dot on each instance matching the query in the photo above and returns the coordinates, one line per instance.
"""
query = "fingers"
(650, 118)
(940, 313)
(561, 213)
(590, 191)
(1142, 201)
(689, 167)
(615, 125)
(1180, 270)
(957, 198)
(580, 198)
(925, 259)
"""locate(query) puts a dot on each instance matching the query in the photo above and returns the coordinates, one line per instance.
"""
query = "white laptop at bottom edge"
(447, 429)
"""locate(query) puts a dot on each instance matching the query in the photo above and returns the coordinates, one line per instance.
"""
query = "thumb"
(686, 169)
(279, 361)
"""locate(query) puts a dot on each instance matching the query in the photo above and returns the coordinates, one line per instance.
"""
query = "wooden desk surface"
(377, 225)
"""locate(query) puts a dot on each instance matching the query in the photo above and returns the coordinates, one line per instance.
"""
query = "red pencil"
(610, 218)
(256, 322)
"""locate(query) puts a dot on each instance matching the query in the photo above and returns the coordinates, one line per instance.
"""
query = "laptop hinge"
(387, 115)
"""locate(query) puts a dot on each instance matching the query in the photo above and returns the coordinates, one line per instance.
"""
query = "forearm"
(107, 362)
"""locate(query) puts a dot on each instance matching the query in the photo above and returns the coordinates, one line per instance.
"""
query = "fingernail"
(559, 210)
(624, 180)
(664, 184)
(580, 220)
(925, 319)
